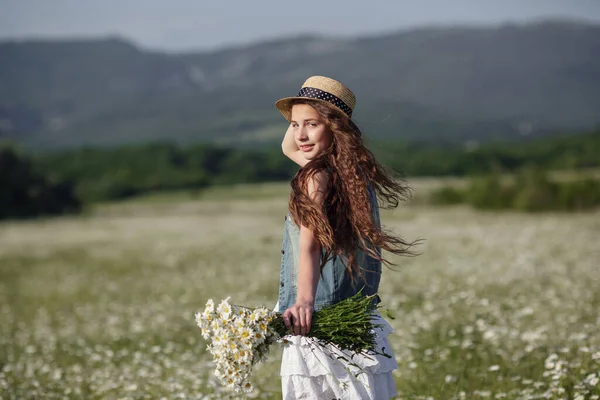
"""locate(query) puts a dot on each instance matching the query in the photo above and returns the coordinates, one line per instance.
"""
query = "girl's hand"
(289, 145)
(290, 148)
(298, 317)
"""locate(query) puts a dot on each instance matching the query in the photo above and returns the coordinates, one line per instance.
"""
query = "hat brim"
(285, 105)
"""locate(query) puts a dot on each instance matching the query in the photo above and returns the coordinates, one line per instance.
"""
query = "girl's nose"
(301, 133)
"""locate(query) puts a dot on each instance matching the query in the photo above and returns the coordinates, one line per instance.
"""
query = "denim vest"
(334, 283)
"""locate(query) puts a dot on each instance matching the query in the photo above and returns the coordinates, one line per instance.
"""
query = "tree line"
(63, 181)
(529, 189)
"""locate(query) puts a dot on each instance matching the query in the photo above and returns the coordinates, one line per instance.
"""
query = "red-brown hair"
(344, 223)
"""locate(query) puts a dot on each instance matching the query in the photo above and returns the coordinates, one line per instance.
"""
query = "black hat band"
(314, 93)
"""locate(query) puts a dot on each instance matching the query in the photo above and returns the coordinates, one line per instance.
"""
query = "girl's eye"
(313, 124)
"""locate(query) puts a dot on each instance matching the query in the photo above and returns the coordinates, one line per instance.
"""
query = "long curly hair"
(344, 223)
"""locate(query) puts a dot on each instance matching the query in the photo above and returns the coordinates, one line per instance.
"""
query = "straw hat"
(324, 90)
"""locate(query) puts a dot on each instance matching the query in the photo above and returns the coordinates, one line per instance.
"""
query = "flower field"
(101, 306)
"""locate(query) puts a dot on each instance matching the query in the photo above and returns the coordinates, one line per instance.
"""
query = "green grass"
(225, 192)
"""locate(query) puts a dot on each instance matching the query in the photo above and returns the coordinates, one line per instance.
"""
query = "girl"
(332, 241)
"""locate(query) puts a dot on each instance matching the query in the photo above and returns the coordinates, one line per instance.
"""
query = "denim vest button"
(281, 283)
(282, 251)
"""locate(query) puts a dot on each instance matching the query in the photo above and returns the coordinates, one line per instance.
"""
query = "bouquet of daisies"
(240, 336)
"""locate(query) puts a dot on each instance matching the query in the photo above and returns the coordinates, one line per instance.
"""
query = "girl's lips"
(306, 147)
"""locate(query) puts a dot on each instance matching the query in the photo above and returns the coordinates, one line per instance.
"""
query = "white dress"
(310, 372)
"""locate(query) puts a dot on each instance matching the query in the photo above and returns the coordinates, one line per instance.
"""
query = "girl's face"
(311, 133)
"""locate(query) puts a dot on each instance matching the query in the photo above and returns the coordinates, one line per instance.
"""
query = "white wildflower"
(205, 333)
(592, 379)
(210, 306)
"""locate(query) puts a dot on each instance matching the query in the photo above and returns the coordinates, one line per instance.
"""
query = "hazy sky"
(199, 24)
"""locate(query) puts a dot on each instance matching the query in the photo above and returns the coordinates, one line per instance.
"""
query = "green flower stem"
(346, 324)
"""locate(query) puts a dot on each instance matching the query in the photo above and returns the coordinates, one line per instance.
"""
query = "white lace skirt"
(310, 372)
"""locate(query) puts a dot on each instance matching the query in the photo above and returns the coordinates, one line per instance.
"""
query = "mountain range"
(442, 84)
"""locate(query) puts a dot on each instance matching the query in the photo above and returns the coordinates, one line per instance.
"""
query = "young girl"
(332, 241)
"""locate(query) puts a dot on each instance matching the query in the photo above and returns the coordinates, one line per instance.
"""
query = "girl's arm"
(291, 150)
(299, 316)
